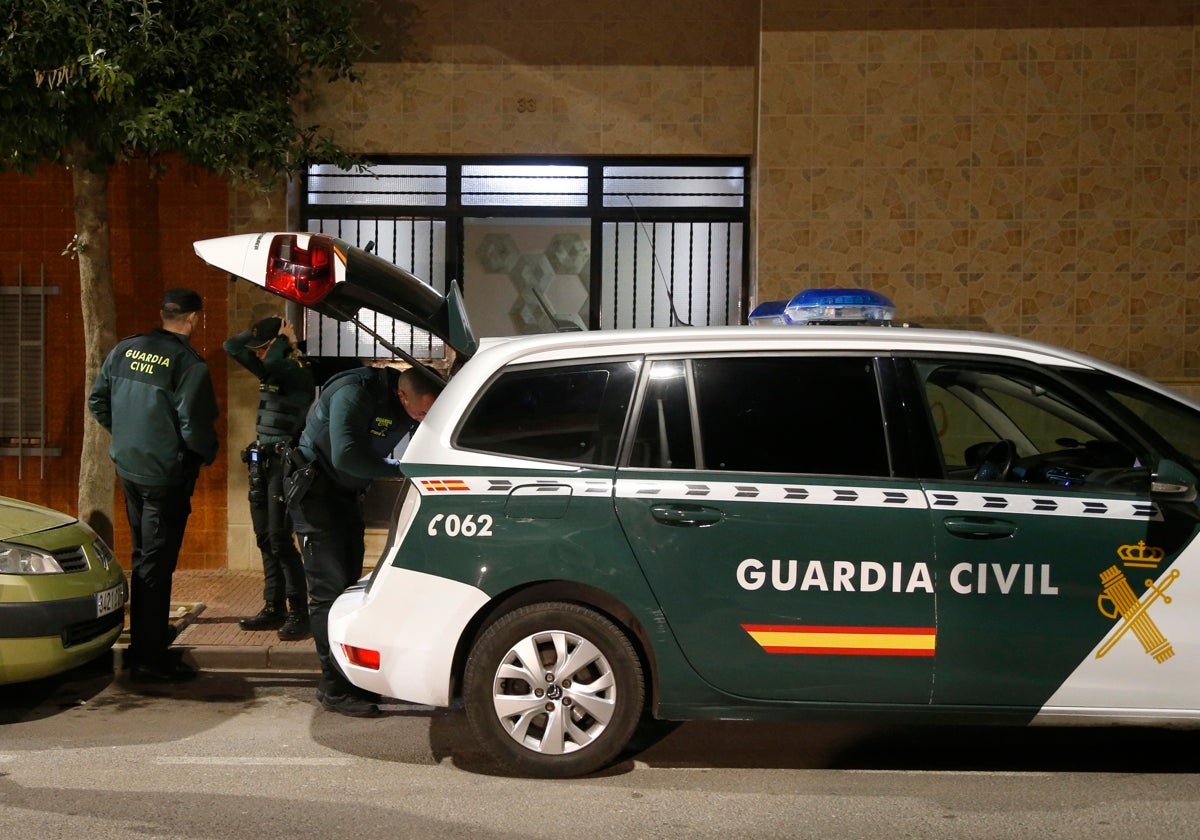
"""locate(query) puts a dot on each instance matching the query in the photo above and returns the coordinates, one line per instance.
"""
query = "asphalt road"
(248, 755)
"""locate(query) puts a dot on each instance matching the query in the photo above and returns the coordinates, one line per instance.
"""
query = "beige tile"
(945, 88)
(997, 193)
(1159, 245)
(1102, 300)
(997, 246)
(1105, 192)
(890, 193)
(1054, 87)
(892, 87)
(839, 88)
(839, 140)
(1107, 140)
(836, 246)
(1105, 246)
(1051, 193)
(944, 193)
(1050, 246)
(837, 193)
(893, 140)
(944, 245)
(1052, 140)
(998, 140)
(889, 245)
(1108, 87)
(1159, 192)
(946, 140)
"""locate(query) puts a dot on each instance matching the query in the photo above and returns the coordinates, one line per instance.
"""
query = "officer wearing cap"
(154, 394)
(285, 390)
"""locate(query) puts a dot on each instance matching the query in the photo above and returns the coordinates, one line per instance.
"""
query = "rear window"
(563, 413)
(791, 414)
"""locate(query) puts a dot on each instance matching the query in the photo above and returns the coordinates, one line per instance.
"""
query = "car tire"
(570, 715)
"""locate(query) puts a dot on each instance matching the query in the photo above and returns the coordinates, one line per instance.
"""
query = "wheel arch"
(573, 592)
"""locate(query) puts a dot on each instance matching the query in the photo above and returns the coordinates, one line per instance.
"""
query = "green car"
(62, 593)
(765, 523)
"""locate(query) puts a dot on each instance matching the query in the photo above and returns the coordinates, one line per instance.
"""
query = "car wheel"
(553, 689)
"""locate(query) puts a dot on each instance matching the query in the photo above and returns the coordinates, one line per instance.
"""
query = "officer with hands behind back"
(285, 391)
(154, 394)
(351, 431)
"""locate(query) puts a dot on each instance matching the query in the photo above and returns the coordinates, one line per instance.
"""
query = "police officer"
(285, 391)
(361, 416)
(154, 394)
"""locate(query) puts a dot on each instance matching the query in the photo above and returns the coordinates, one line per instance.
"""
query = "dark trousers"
(157, 518)
(283, 571)
(331, 540)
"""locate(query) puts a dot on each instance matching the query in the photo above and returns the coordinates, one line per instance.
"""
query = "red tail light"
(362, 657)
(304, 275)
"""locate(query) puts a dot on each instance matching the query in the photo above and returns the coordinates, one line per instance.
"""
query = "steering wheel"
(997, 461)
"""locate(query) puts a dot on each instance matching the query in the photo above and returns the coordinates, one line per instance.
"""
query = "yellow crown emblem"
(1141, 555)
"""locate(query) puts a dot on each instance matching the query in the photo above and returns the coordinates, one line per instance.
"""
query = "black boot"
(296, 625)
(269, 617)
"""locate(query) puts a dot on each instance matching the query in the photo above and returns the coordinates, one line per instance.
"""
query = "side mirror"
(1173, 482)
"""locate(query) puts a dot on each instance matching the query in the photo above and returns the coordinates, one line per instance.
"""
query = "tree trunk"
(93, 250)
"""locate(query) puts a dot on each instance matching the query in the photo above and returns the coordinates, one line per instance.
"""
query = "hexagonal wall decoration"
(567, 253)
(531, 270)
(498, 253)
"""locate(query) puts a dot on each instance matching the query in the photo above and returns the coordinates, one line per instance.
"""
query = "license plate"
(110, 600)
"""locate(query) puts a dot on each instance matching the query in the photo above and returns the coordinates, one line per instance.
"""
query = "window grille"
(22, 368)
(668, 245)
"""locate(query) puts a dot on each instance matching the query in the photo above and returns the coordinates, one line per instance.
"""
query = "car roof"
(550, 347)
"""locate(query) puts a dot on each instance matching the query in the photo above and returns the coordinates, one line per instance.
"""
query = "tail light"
(305, 275)
(362, 657)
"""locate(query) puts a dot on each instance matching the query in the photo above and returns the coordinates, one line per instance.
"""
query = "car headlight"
(24, 560)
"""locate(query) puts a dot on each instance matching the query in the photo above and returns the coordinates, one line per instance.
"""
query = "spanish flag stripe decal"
(844, 641)
(435, 485)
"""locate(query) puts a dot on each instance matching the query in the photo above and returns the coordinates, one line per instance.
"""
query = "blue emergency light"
(825, 306)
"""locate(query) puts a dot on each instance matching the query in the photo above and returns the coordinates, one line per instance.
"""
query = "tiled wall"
(1021, 167)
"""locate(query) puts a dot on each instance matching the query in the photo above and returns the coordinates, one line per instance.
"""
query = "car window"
(794, 414)
(557, 413)
(1055, 437)
(663, 435)
(1175, 423)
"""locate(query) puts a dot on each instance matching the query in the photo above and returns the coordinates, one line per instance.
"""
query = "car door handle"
(979, 527)
(686, 516)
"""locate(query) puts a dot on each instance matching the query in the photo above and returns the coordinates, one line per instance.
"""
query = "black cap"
(263, 333)
(181, 301)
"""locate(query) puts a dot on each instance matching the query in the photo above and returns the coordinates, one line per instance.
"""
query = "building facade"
(1031, 168)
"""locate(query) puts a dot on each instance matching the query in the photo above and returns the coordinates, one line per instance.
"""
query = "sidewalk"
(206, 606)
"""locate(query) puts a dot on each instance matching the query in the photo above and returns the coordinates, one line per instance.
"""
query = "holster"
(298, 475)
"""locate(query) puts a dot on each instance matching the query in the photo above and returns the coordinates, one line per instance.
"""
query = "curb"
(240, 657)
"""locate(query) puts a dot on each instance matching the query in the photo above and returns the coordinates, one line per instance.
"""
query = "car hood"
(19, 518)
(336, 279)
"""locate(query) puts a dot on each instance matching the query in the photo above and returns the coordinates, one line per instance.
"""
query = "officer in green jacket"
(361, 417)
(154, 394)
(285, 391)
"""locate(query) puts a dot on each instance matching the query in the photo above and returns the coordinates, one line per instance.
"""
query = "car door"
(1051, 547)
(788, 562)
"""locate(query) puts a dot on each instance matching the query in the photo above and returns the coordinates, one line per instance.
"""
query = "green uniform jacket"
(154, 394)
(285, 387)
(354, 425)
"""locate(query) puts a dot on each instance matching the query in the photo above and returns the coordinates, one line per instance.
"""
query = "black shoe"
(165, 672)
(347, 704)
(270, 617)
(295, 628)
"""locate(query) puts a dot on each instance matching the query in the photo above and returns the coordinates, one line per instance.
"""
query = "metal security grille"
(671, 274)
(22, 367)
(668, 243)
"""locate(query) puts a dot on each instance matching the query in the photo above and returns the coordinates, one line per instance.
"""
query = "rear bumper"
(415, 622)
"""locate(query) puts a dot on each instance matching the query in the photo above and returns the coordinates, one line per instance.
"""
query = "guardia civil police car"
(767, 522)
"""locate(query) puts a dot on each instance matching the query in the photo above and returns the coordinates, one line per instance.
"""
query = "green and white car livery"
(782, 522)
